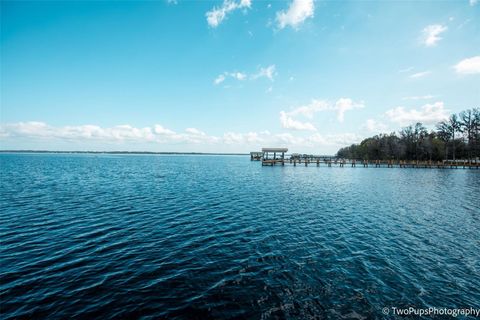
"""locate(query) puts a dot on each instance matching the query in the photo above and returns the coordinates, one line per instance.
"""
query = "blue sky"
(231, 76)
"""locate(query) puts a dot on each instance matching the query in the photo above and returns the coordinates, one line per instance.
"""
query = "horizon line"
(121, 152)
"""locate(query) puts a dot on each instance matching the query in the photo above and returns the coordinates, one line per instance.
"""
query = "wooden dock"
(374, 163)
(277, 156)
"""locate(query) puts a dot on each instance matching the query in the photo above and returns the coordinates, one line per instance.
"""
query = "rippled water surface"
(123, 236)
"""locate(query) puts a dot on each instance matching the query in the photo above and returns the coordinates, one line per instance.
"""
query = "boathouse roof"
(274, 149)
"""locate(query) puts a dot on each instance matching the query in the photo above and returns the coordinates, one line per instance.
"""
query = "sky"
(233, 75)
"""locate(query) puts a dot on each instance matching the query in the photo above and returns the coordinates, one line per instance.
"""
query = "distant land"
(127, 152)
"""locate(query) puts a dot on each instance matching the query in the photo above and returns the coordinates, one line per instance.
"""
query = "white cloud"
(310, 109)
(296, 14)
(345, 104)
(235, 75)
(196, 136)
(158, 129)
(288, 122)
(431, 34)
(468, 66)
(219, 79)
(195, 131)
(316, 140)
(374, 126)
(425, 97)
(427, 114)
(217, 15)
(268, 72)
(249, 138)
(419, 74)
(232, 137)
(341, 106)
(473, 2)
(289, 140)
(26, 128)
(253, 137)
(238, 75)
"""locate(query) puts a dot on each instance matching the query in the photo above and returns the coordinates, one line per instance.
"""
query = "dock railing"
(329, 161)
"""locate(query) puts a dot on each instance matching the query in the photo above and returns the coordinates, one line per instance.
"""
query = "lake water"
(199, 237)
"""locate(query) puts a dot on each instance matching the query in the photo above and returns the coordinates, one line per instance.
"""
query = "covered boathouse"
(273, 156)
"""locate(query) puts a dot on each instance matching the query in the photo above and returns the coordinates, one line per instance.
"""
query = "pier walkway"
(277, 156)
(329, 162)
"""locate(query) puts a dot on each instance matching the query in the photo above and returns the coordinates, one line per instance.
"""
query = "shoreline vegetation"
(457, 138)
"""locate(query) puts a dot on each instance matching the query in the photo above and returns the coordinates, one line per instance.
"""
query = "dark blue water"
(110, 237)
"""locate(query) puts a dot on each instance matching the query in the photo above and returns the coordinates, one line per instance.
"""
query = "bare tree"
(467, 127)
(419, 137)
(445, 134)
(454, 124)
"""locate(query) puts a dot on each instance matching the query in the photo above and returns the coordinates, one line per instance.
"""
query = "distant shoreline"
(126, 152)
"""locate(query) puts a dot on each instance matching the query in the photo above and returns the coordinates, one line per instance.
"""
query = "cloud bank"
(126, 135)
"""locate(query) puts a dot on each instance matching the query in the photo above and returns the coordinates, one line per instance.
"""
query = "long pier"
(372, 163)
(276, 156)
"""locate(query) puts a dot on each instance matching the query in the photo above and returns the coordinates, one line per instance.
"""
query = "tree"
(420, 133)
(407, 135)
(444, 133)
(447, 130)
(454, 125)
(467, 127)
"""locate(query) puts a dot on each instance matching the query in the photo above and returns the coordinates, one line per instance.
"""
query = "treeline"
(456, 138)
